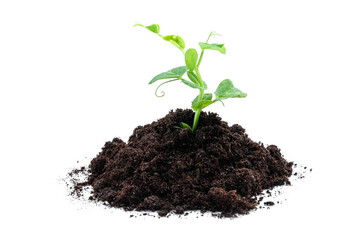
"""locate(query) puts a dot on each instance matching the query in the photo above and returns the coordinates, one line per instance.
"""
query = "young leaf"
(205, 85)
(184, 125)
(191, 84)
(213, 46)
(173, 73)
(175, 39)
(191, 58)
(226, 90)
(206, 101)
(155, 28)
(192, 76)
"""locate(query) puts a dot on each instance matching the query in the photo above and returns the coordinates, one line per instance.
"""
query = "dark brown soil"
(218, 168)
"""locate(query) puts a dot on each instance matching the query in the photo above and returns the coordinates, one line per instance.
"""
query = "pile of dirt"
(218, 168)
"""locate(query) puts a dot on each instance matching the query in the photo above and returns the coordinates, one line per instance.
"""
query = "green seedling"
(225, 89)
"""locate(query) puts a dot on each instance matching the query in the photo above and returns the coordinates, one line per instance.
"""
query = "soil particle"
(269, 203)
(218, 168)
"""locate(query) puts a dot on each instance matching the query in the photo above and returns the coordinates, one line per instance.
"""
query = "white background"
(74, 74)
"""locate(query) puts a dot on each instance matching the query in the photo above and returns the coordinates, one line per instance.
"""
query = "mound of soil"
(218, 168)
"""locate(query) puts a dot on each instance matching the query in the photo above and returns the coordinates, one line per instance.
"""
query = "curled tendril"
(162, 92)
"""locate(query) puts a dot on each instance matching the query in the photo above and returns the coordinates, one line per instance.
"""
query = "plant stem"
(196, 120)
(200, 82)
(201, 56)
(201, 95)
(177, 46)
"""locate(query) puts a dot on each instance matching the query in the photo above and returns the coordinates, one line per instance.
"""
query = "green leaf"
(192, 76)
(173, 73)
(205, 85)
(191, 84)
(206, 101)
(201, 104)
(207, 96)
(213, 46)
(226, 90)
(155, 28)
(175, 39)
(184, 125)
(191, 57)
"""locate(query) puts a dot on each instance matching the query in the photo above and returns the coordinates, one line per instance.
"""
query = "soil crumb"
(217, 169)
